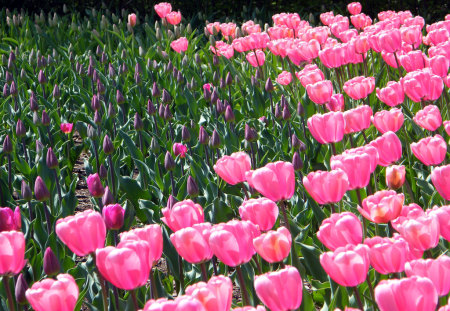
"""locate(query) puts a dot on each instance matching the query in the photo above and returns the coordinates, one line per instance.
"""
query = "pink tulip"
(443, 215)
(327, 128)
(412, 35)
(354, 8)
(447, 127)
(192, 243)
(10, 220)
(392, 95)
(371, 151)
(183, 214)
(411, 211)
(113, 215)
(360, 21)
(228, 30)
(357, 119)
(359, 87)
(180, 45)
(395, 176)
(336, 103)
(413, 60)
(389, 148)
(387, 255)
(273, 246)
(439, 35)
(216, 295)
(95, 185)
(382, 207)
(412, 294)
(12, 252)
(429, 118)
(307, 77)
(49, 294)
(162, 9)
(340, 230)
(284, 78)
(430, 150)
(347, 266)
(173, 18)
(437, 270)
(326, 17)
(232, 242)
(411, 253)
(249, 308)
(232, 168)
(275, 181)
(331, 57)
(421, 233)
(152, 234)
(132, 19)
(390, 40)
(280, 290)
(439, 65)
(125, 266)
(66, 128)
(262, 212)
(422, 85)
(326, 187)
(83, 233)
(440, 177)
(179, 150)
(181, 303)
(320, 92)
(388, 120)
(213, 26)
(357, 167)
(256, 60)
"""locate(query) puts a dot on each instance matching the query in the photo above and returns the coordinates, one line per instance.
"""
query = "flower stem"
(9, 174)
(153, 285)
(181, 276)
(111, 171)
(102, 285)
(244, 293)
(358, 298)
(204, 272)
(372, 294)
(47, 218)
(58, 187)
(11, 304)
(134, 298)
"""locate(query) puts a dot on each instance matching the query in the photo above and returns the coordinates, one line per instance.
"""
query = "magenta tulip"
(392, 95)
(437, 270)
(262, 212)
(441, 180)
(395, 176)
(113, 215)
(232, 168)
(327, 128)
(356, 166)
(388, 120)
(326, 187)
(273, 246)
(422, 232)
(387, 255)
(389, 148)
(429, 118)
(10, 220)
(357, 119)
(320, 92)
(152, 234)
(340, 230)
(430, 150)
(382, 207)
(183, 214)
(12, 252)
(216, 295)
(192, 243)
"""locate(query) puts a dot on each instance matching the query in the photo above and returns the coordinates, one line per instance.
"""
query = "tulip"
(179, 150)
(49, 294)
(340, 230)
(9, 220)
(422, 85)
(249, 308)
(173, 18)
(256, 59)
(179, 304)
(326, 187)
(275, 181)
(357, 119)
(21, 288)
(412, 35)
(439, 65)
(347, 266)
(280, 290)
(132, 19)
(430, 150)
(216, 295)
(125, 266)
(336, 103)
(389, 148)
(356, 166)
(390, 40)
(179, 45)
(83, 233)
(360, 21)
(273, 246)
(192, 243)
(232, 168)
(388, 120)
(327, 128)
(66, 128)
(429, 118)
(437, 270)
(182, 214)
(413, 60)
(447, 127)
(162, 9)
(392, 95)
(284, 78)
(382, 207)
(395, 176)
(152, 234)
(232, 242)
(387, 255)
(51, 263)
(262, 212)
(412, 294)
(443, 215)
(422, 232)
(440, 178)
(95, 185)
(113, 215)
(307, 77)
(12, 253)
(320, 92)
(354, 8)
(359, 87)
(40, 190)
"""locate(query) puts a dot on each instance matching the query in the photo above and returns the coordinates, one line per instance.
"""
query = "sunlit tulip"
(339, 230)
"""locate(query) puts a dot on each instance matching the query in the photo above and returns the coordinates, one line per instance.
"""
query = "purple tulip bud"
(297, 161)
(137, 78)
(269, 85)
(98, 51)
(52, 161)
(295, 141)
(40, 190)
(214, 142)
(167, 113)
(137, 68)
(119, 98)
(33, 103)
(108, 197)
(124, 68)
(108, 147)
(250, 134)
(7, 146)
(5, 90)
(111, 111)
(113, 216)
(171, 201)
(185, 134)
(41, 77)
(214, 97)
(161, 111)
(155, 90)
(36, 118)
(21, 288)
(169, 163)
(278, 112)
(100, 87)
(111, 71)
(220, 107)
(25, 191)
(104, 58)
(39, 147)
(56, 92)
(166, 96)
(51, 263)
(192, 188)
(95, 185)
(95, 103)
(45, 118)
(203, 136)
(13, 89)
(20, 129)
(229, 79)
(151, 110)
(229, 114)
(8, 77)
(97, 117)
(138, 124)
(91, 132)
(300, 109)
(207, 94)
(102, 172)
(286, 113)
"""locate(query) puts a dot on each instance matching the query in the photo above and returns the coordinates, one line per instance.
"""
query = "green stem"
(244, 293)
(102, 285)
(11, 304)
(204, 272)
(47, 218)
(358, 298)
(153, 285)
(134, 298)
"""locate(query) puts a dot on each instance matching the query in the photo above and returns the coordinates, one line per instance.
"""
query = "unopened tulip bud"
(220, 107)
(214, 97)
(229, 79)
(51, 160)
(95, 103)
(25, 191)
(45, 119)
(207, 94)
(250, 134)
(254, 81)
(203, 136)
(138, 124)
(185, 134)
(56, 92)
(97, 117)
(108, 197)
(111, 71)
(36, 118)
(295, 141)
(229, 114)
(7, 146)
(113, 216)
(102, 172)
(395, 176)
(41, 77)
(214, 142)
(166, 97)
(300, 109)
(20, 129)
(169, 163)
(215, 77)
(51, 263)
(91, 132)
(137, 78)
(111, 111)
(8, 77)
(108, 147)
(13, 89)
(269, 85)
(39, 147)
(286, 113)
(119, 98)
(278, 112)
(40, 190)
(297, 161)
(167, 113)
(192, 188)
(21, 288)
(155, 90)
(154, 146)
(5, 90)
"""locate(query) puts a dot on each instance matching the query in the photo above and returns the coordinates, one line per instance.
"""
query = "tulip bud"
(229, 79)
(250, 134)
(229, 114)
(119, 98)
(185, 134)
(13, 89)
(25, 191)
(222, 83)
(286, 113)
(7, 146)
(203, 136)
(215, 77)
(154, 146)
(300, 109)
(111, 71)
(20, 129)
(40, 190)
(102, 172)
(151, 110)
(39, 147)
(207, 94)
(45, 118)
(138, 124)
(395, 176)
(33, 103)
(51, 263)
(36, 118)
(97, 117)
(302, 146)
(220, 107)
(269, 85)
(295, 141)
(95, 103)
(297, 161)
(278, 112)
(108, 147)
(214, 142)
(111, 111)
(91, 132)
(113, 215)
(5, 90)
(108, 197)
(192, 188)
(56, 92)
(214, 97)
(52, 161)
(41, 77)
(166, 97)
(155, 90)
(21, 288)
(167, 113)
(169, 163)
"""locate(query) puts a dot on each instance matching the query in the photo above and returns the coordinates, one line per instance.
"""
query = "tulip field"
(147, 164)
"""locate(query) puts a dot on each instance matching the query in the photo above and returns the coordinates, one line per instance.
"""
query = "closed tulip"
(49, 294)
(356, 166)
(429, 118)
(395, 176)
(280, 290)
(430, 150)
(320, 92)
(66, 128)
(125, 266)
(389, 148)
(262, 212)
(347, 266)
(12, 252)
(95, 185)
(132, 19)
(179, 150)
(392, 95)
(152, 234)
(192, 243)
(390, 40)
(422, 85)
(275, 181)
(412, 294)
(410, 211)
(387, 255)
(10, 220)
(232, 242)
(359, 87)
(422, 232)
(256, 59)
(273, 246)
(437, 270)
(216, 295)
(388, 120)
(83, 233)
(339, 230)
(326, 187)
(311, 76)
(413, 60)
(354, 8)
(441, 180)
(182, 214)
(439, 65)
(382, 207)
(284, 78)
(113, 215)
(232, 168)
(327, 128)
(336, 103)
(181, 303)
(371, 151)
